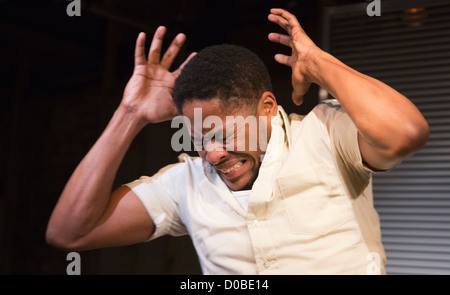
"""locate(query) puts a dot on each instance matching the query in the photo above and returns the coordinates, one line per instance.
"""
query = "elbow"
(413, 138)
(55, 240)
(59, 240)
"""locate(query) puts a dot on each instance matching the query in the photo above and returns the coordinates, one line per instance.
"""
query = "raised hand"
(148, 93)
(302, 49)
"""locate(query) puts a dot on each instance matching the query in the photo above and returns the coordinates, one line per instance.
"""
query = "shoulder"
(186, 169)
(326, 109)
(323, 115)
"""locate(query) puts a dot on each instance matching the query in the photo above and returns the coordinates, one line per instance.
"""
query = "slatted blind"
(408, 48)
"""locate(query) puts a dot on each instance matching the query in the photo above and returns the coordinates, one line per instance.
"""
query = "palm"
(149, 91)
(301, 46)
(151, 88)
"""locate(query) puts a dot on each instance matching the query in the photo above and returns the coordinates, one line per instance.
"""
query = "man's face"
(234, 150)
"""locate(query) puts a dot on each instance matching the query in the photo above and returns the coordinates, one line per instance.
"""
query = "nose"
(215, 153)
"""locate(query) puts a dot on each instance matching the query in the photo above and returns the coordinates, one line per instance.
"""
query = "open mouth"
(232, 171)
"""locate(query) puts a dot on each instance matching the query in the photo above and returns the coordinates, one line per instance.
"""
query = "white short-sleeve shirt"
(310, 211)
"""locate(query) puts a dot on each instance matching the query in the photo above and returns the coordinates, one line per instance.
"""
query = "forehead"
(205, 115)
(213, 107)
(208, 107)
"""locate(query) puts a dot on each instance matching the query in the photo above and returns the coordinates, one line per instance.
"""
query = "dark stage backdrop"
(61, 79)
(407, 47)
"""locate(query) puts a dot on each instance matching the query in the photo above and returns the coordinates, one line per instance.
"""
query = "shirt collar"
(280, 140)
(285, 125)
(276, 150)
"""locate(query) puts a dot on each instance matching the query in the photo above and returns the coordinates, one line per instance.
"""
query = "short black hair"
(231, 73)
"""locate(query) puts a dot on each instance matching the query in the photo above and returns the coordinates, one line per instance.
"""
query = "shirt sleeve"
(343, 136)
(161, 199)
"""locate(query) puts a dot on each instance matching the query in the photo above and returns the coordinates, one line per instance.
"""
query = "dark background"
(62, 78)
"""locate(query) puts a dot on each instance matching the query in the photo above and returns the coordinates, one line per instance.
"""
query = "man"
(302, 205)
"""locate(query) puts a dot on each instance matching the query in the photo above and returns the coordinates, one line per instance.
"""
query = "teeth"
(237, 165)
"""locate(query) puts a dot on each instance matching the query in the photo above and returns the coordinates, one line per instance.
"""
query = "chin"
(243, 184)
(245, 180)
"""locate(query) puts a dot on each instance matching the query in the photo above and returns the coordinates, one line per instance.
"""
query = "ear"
(267, 104)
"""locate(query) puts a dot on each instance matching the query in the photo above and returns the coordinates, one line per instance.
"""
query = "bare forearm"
(88, 191)
(385, 118)
(389, 126)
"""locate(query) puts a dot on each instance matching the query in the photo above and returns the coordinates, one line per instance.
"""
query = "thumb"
(296, 99)
(299, 91)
